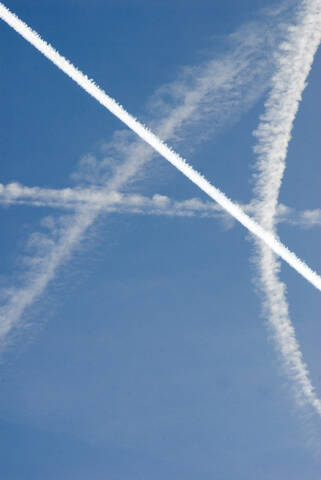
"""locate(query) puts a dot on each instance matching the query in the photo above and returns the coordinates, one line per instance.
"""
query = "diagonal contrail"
(231, 83)
(149, 137)
(294, 62)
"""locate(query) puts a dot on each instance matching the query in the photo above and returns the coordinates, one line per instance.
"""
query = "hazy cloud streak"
(116, 202)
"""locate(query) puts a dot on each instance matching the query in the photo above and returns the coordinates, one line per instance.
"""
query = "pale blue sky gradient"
(148, 356)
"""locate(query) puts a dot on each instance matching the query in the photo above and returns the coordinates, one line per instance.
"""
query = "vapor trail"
(143, 132)
(94, 198)
(294, 61)
(230, 83)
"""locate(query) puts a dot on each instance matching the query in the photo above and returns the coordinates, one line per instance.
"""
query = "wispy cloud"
(161, 147)
(52, 251)
(134, 203)
(294, 61)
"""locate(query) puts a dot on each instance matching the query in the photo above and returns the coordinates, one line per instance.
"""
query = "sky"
(136, 340)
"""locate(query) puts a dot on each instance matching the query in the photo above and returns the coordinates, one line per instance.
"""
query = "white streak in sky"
(230, 84)
(115, 202)
(42, 269)
(294, 62)
(162, 148)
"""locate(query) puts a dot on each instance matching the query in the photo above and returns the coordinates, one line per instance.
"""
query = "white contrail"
(116, 202)
(42, 271)
(143, 132)
(227, 83)
(294, 60)
(69, 198)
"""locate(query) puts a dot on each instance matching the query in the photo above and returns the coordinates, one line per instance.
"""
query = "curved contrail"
(294, 60)
(149, 137)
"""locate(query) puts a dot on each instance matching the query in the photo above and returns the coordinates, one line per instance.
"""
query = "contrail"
(115, 202)
(143, 132)
(230, 83)
(70, 198)
(43, 271)
(294, 62)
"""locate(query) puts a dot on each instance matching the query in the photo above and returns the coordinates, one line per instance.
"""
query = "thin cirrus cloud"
(161, 147)
(293, 64)
(116, 202)
(230, 83)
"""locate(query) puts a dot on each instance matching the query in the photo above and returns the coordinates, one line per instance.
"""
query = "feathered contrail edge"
(294, 61)
(98, 199)
(143, 132)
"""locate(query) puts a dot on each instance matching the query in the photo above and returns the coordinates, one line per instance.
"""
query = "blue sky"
(148, 355)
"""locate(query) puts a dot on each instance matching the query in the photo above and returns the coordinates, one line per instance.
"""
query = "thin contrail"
(294, 60)
(143, 132)
(98, 199)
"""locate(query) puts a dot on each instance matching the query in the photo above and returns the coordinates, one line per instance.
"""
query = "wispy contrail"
(115, 202)
(42, 271)
(69, 198)
(294, 62)
(162, 148)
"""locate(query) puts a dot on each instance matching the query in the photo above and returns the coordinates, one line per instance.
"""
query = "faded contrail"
(143, 132)
(98, 199)
(294, 62)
